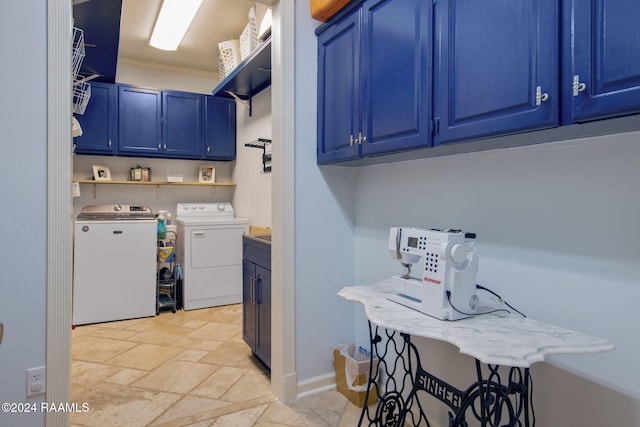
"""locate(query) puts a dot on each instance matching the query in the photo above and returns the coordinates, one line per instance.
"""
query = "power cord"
(486, 312)
(473, 314)
(500, 298)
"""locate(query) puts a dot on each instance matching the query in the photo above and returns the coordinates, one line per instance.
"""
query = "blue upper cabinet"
(182, 124)
(339, 105)
(154, 123)
(139, 122)
(397, 75)
(496, 67)
(602, 60)
(98, 122)
(374, 75)
(220, 128)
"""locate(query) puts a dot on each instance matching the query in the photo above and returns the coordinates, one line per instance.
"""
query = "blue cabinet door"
(98, 122)
(339, 107)
(139, 122)
(182, 128)
(396, 74)
(602, 68)
(496, 67)
(263, 337)
(219, 129)
(249, 315)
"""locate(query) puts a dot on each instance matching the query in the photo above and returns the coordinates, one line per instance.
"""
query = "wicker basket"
(229, 56)
(249, 37)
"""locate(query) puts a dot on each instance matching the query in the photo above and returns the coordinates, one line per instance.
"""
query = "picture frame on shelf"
(207, 174)
(101, 173)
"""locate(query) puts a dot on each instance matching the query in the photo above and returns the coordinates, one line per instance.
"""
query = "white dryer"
(210, 251)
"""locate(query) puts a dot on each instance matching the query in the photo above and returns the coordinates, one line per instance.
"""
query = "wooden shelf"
(211, 185)
(202, 184)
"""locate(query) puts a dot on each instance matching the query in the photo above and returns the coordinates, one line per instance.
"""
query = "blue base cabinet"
(496, 68)
(98, 122)
(602, 61)
(256, 298)
(374, 77)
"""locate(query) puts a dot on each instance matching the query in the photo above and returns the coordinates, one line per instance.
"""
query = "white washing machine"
(114, 263)
(210, 251)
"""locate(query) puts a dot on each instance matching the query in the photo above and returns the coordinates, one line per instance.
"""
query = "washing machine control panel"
(204, 209)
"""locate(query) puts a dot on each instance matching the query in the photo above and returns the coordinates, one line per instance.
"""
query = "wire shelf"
(78, 52)
(81, 95)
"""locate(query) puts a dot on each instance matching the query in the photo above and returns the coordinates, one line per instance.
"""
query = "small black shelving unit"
(166, 274)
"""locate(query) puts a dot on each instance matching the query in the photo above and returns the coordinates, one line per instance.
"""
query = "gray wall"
(23, 169)
(557, 238)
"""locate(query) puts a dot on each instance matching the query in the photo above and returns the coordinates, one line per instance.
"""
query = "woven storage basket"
(229, 51)
(249, 37)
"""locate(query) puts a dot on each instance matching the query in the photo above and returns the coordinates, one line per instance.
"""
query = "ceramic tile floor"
(189, 368)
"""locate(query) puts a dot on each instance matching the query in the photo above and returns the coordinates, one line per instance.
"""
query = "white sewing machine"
(444, 285)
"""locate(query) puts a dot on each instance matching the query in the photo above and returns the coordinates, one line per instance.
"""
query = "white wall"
(163, 197)
(252, 195)
(253, 200)
(23, 189)
(163, 77)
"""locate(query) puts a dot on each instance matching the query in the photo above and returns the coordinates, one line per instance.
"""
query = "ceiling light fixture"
(173, 21)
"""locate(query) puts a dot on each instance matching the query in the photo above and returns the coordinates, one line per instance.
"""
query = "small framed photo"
(207, 174)
(101, 173)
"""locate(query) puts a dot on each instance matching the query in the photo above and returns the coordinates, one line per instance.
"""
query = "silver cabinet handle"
(208, 149)
(541, 97)
(361, 138)
(352, 141)
(577, 86)
(159, 146)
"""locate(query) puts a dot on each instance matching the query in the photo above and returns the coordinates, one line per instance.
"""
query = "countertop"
(500, 339)
(263, 238)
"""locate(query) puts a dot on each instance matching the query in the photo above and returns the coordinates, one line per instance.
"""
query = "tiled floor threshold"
(189, 368)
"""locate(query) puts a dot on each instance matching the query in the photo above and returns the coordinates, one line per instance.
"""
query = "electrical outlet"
(36, 381)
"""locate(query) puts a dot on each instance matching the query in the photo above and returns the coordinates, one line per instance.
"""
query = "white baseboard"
(316, 385)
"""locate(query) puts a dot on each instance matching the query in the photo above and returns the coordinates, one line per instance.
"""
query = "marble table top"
(497, 339)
